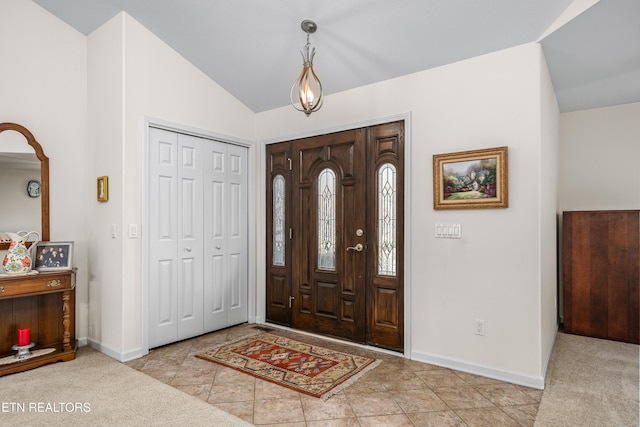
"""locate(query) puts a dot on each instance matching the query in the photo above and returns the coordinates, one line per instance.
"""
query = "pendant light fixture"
(306, 92)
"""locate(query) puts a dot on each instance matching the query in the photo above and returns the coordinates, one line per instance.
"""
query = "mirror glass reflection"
(18, 166)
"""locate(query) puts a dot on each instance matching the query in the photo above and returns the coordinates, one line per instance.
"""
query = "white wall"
(43, 82)
(548, 176)
(600, 154)
(144, 78)
(493, 272)
(105, 158)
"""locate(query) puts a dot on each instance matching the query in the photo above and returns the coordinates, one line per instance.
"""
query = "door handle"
(187, 249)
(359, 247)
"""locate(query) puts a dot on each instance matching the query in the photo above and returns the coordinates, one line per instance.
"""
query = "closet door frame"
(252, 147)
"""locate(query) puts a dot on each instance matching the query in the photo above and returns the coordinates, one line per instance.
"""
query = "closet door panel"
(235, 277)
(165, 308)
(215, 270)
(226, 236)
(215, 214)
(197, 236)
(163, 237)
(215, 294)
(190, 244)
(237, 239)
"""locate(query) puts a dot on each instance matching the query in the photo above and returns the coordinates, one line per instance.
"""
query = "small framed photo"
(471, 179)
(103, 188)
(54, 256)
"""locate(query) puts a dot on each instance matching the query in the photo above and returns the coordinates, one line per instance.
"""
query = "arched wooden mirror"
(20, 158)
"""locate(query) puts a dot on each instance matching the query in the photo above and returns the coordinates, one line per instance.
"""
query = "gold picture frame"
(103, 188)
(471, 179)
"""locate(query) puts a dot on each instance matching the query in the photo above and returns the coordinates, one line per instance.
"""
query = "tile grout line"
(415, 382)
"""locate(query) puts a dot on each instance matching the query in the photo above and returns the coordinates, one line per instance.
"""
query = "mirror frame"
(44, 176)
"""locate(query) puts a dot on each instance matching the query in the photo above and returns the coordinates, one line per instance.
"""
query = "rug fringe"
(350, 381)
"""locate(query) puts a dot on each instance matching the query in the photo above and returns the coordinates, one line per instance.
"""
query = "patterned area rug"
(309, 369)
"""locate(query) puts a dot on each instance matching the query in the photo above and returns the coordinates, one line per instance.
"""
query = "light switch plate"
(448, 231)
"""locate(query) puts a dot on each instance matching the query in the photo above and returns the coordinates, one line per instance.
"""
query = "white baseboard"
(497, 374)
(121, 357)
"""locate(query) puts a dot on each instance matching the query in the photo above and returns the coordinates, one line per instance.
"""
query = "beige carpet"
(96, 390)
(591, 382)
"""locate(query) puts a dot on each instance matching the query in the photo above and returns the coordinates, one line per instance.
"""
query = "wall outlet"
(478, 327)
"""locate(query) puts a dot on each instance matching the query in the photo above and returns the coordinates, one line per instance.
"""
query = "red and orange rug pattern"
(309, 369)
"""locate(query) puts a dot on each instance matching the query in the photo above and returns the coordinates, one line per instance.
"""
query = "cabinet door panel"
(601, 274)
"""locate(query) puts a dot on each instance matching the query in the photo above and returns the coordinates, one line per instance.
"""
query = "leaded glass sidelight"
(387, 251)
(278, 221)
(327, 220)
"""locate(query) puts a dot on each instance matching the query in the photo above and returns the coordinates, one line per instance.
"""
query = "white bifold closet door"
(225, 231)
(197, 236)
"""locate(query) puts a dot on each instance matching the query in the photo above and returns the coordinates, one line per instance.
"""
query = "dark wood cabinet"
(601, 274)
(44, 303)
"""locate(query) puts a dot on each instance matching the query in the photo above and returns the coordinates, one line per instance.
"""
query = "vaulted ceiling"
(251, 47)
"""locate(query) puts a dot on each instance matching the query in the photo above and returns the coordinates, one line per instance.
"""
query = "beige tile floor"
(399, 392)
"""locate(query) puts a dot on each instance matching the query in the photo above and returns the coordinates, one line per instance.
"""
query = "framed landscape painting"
(471, 179)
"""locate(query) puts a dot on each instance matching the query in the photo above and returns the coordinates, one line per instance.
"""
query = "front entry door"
(335, 234)
(328, 256)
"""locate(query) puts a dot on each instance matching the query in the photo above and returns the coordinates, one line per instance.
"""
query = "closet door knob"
(218, 247)
(187, 249)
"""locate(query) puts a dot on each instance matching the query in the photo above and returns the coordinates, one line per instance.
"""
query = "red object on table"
(24, 337)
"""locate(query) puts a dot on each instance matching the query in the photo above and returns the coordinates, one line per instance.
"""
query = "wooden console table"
(44, 303)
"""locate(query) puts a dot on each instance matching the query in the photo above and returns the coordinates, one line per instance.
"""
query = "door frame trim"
(252, 147)
(261, 238)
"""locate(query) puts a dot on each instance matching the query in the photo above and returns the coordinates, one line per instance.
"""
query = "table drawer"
(11, 287)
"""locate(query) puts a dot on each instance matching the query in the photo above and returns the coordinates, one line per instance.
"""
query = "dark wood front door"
(328, 269)
(335, 234)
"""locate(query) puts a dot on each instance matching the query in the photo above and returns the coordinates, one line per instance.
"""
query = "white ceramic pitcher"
(19, 259)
